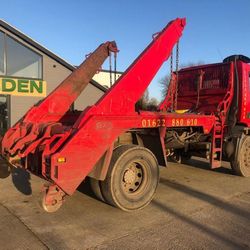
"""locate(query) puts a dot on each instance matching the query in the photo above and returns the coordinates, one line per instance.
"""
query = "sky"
(71, 29)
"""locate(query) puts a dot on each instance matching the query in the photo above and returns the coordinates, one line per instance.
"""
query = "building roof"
(112, 71)
(44, 50)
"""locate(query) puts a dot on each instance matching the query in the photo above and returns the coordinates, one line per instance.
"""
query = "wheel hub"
(132, 178)
(129, 176)
(246, 155)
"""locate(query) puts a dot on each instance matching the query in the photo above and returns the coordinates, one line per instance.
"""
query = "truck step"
(216, 145)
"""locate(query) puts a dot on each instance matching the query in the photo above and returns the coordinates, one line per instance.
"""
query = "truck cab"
(222, 90)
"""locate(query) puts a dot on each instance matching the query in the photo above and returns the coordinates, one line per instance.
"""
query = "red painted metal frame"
(84, 142)
(93, 139)
(81, 139)
(244, 95)
(114, 114)
(91, 133)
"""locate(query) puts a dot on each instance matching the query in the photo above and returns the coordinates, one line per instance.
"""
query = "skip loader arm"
(53, 107)
(46, 115)
(97, 128)
(133, 83)
(65, 154)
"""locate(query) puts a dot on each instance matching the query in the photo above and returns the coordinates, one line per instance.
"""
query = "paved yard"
(194, 208)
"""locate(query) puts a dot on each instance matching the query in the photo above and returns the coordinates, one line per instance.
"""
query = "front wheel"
(241, 162)
(132, 178)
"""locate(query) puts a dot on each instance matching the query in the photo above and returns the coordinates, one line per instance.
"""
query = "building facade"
(28, 73)
(106, 78)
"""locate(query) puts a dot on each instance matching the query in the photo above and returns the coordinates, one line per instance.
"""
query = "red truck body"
(65, 146)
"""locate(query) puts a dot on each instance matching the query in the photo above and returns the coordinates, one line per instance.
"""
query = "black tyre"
(179, 157)
(95, 187)
(132, 178)
(176, 158)
(185, 157)
(241, 162)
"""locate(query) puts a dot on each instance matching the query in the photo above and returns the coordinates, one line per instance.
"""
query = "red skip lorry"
(206, 113)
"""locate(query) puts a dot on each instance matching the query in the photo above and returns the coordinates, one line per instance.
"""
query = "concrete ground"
(194, 208)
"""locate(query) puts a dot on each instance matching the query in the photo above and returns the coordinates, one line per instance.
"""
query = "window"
(22, 61)
(2, 71)
(18, 60)
(4, 116)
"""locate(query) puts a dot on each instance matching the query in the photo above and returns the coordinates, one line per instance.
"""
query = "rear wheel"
(180, 157)
(241, 163)
(95, 186)
(132, 178)
(176, 157)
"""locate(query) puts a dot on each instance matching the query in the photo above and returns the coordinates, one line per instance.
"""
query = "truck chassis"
(118, 147)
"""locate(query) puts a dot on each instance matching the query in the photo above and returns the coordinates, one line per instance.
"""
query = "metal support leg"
(53, 198)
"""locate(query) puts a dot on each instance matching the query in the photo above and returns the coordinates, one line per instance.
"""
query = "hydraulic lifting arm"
(53, 107)
(133, 83)
(128, 89)
(97, 127)
(56, 104)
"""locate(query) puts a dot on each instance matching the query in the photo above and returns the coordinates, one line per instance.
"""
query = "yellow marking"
(61, 159)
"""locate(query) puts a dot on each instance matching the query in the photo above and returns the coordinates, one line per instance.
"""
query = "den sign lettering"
(22, 87)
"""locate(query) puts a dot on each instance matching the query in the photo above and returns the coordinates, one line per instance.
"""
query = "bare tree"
(152, 104)
(143, 101)
(146, 103)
